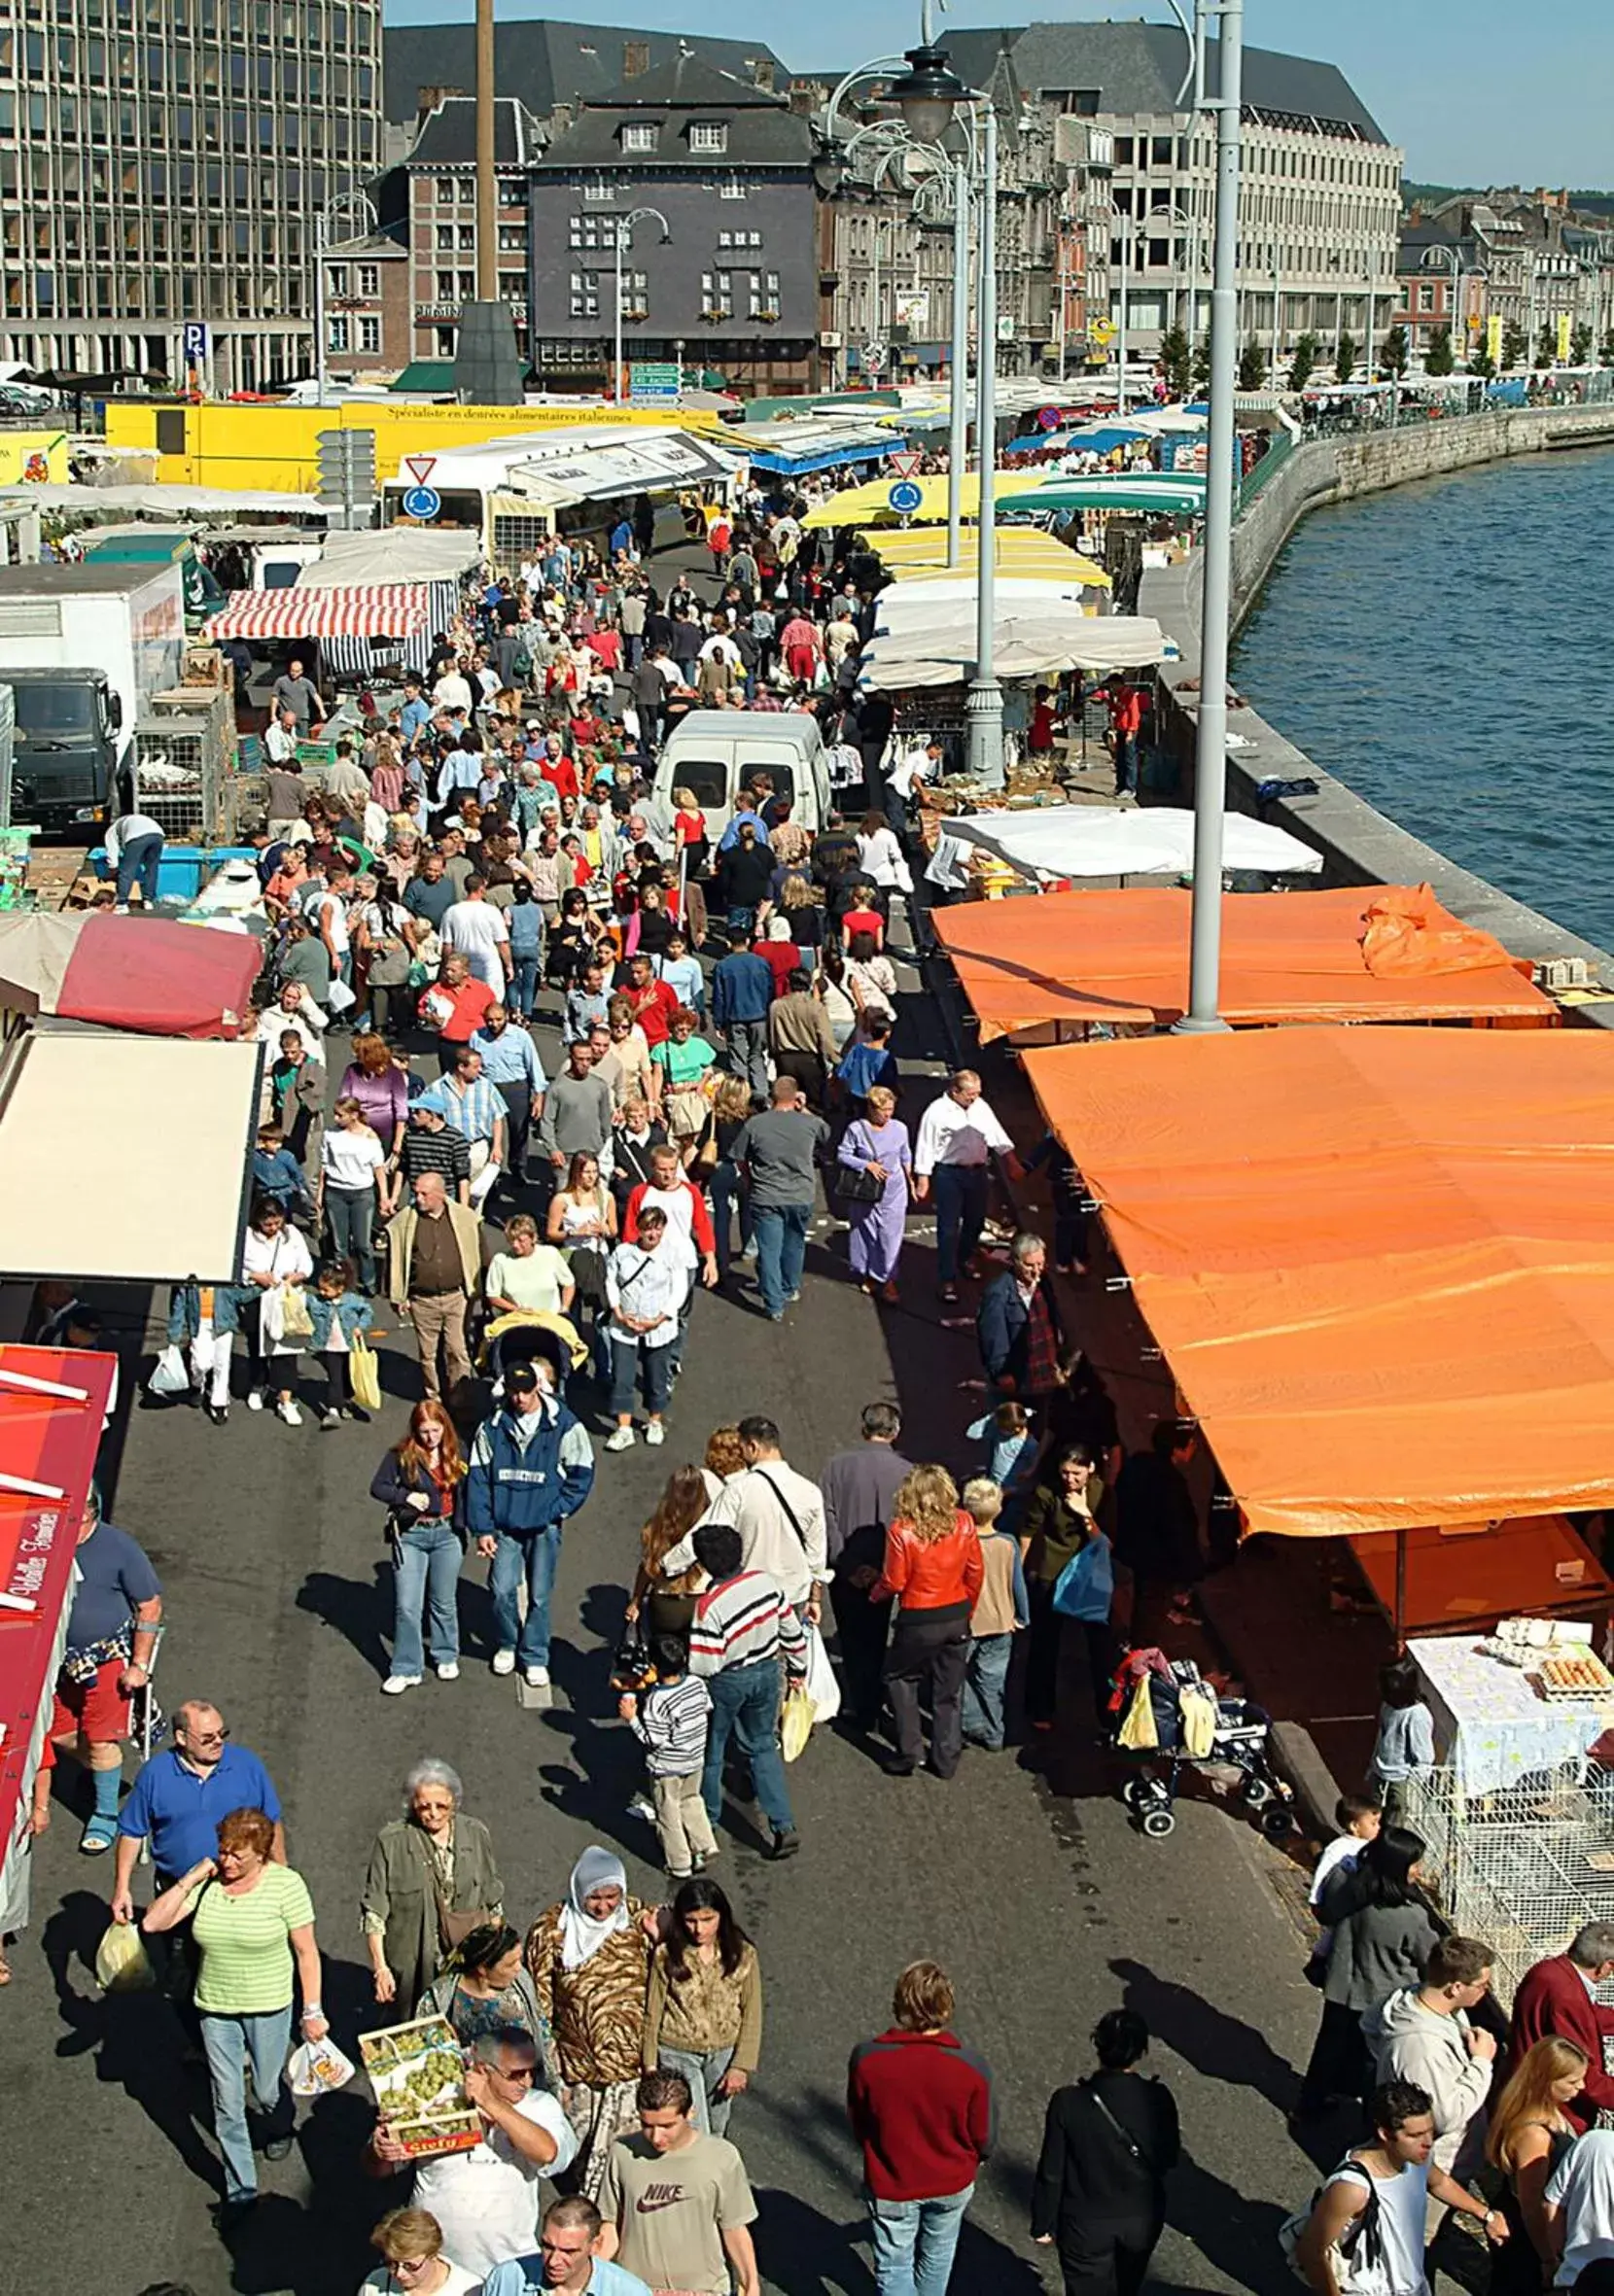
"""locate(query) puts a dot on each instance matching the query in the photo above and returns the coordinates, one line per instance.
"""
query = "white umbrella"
(1123, 841)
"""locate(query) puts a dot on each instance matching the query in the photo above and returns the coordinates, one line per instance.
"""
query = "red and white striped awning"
(358, 610)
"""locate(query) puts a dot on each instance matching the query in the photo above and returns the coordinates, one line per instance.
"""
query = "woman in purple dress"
(879, 1144)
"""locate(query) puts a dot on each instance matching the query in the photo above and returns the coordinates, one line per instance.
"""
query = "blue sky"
(1476, 90)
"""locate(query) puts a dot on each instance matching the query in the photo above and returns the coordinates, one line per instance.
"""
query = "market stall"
(1025, 553)
(1055, 842)
(1497, 1723)
(394, 611)
(1031, 640)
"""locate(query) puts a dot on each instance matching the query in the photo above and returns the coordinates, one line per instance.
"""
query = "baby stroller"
(1167, 1718)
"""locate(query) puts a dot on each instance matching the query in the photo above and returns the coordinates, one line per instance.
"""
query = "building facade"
(1527, 259)
(161, 162)
(368, 311)
(719, 270)
(441, 226)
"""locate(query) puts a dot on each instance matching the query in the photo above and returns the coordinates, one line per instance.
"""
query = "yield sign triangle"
(904, 465)
(420, 467)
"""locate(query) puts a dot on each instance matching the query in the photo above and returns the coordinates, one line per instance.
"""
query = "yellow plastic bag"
(121, 1962)
(795, 1725)
(1138, 1732)
(295, 1322)
(363, 1369)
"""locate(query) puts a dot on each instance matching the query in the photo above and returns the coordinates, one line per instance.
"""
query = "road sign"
(422, 502)
(1047, 418)
(905, 497)
(904, 465)
(420, 468)
(653, 382)
(196, 342)
(1102, 331)
(873, 358)
(345, 460)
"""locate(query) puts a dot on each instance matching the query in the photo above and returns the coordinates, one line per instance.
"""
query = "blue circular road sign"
(904, 497)
(422, 502)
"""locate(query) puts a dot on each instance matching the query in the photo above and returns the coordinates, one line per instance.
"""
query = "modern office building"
(162, 164)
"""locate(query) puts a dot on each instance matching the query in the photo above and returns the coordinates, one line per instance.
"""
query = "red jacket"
(921, 2107)
(700, 1219)
(1553, 1998)
(933, 1577)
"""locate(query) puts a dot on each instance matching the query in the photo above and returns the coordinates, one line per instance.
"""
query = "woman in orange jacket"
(932, 1566)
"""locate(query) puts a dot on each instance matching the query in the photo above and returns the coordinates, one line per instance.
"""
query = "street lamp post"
(958, 405)
(984, 704)
(624, 233)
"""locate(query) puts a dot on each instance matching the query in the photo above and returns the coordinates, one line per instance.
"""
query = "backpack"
(1357, 2257)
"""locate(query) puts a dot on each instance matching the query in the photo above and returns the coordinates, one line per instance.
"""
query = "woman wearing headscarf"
(590, 1962)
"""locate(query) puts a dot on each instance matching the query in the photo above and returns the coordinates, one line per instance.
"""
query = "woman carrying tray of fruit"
(590, 1962)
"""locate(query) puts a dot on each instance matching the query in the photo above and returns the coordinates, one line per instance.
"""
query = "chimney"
(560, 120)
(427, 99)
(636, 58)
(761, 71)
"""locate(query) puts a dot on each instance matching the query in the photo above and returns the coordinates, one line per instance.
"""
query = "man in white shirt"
(474, 929)
(452, 690)
(487, 2201)
(280, 738)
(779, 1515)
(134, 846)
(958, 1137)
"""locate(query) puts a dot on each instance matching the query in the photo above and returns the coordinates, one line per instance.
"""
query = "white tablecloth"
(1492, 1727)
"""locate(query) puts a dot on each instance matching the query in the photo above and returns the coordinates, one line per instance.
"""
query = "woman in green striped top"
(253, 1920)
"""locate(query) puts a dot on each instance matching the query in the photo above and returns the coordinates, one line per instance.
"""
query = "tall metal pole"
(1121, 328)
(320, 377)
(958, 433)
(985, 704)
(487, 255)
(1211, 752)
(616, 335)
(1277, 310)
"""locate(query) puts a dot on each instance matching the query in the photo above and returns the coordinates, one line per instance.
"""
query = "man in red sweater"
(1559, 1997)
(921, 2107)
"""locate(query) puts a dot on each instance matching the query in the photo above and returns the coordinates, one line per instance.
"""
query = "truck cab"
(66, 757)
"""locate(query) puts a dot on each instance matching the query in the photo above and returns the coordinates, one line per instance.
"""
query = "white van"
(714, 751)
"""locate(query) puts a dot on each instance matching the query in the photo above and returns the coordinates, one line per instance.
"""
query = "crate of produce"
(418, 2072)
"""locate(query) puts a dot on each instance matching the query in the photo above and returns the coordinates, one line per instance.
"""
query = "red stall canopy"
(352, 609)
(128, 972)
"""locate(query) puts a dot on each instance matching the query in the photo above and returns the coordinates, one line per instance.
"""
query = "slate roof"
(543, 63)
(762, 130)
(448, 135)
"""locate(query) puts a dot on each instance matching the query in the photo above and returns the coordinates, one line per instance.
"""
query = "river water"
(1447, 651)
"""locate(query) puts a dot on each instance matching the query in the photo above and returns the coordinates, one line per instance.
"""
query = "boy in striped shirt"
(670, 1719)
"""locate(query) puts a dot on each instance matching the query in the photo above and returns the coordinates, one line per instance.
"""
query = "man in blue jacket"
(742, 990)
(531, 1465)
(1018, 1326)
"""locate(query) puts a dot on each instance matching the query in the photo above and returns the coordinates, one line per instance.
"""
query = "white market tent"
(1029, 641)
(1124, 841)
(642, 462)
(397, 554)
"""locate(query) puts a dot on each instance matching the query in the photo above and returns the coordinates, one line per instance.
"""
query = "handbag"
(1086, 1587)
(454, 1925)
(856, 1184)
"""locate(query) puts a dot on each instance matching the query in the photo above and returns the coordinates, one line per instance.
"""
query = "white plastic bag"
(314, 2068)
(823, 1688)
(339, 996)
(169, 1376)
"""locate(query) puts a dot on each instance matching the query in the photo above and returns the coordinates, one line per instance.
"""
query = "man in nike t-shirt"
(676, 2203)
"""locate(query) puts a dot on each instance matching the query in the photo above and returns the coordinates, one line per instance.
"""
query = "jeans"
(730, 1193)
(915, 2242)
(138, 863)
(746, 1046)
(518, 1123)
(983, 1689)
(231, 2043)
(426, 1571)
(961, 1214)
(1126, 763)
(351, 1213)
(745, 1705)
(626, 1356)
(535, 1557)
(780, 1231)
(703, 2070)
(525, 972)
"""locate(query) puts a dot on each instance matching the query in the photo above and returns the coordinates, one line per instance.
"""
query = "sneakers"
(655, 1433)
(642, 1807)
(535, 1677)
(784, 1845)
(255, 1398)
(447, 1669)
(792, 1298)
(397, 1683)
(624, 1440)
(289, 1412)
(504, 1661)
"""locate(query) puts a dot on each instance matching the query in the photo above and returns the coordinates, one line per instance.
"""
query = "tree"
(1345, 363)
(1253, 367)
(1516, 345)
(1482, 363)
(1438, 359)
(1580, 346)
(1546, 350)
(1605, 355)
(1177, 361)
(1200, 377)
(1396, 352)
(1304, 360)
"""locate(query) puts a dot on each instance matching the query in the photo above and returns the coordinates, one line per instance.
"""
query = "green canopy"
(1164, 494)
(425, 374)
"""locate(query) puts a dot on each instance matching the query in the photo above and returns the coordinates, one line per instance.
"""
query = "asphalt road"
(1023, 1875)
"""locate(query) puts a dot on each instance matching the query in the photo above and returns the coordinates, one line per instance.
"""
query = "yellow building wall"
(272, 447)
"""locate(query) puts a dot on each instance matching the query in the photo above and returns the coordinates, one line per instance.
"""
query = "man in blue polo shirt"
(179, 1795)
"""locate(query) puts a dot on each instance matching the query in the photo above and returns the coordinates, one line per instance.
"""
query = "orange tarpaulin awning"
(1380, 1262)
(1381, 952)
(1471, 1575)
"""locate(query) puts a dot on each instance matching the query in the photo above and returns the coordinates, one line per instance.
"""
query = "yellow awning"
(920, 554)
(869, 504)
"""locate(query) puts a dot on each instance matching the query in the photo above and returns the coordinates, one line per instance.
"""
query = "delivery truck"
(84, 647)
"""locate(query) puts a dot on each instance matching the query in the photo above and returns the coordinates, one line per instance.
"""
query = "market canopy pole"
(1210, 747)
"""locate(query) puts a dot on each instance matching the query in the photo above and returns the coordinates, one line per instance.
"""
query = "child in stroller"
(1166, 1717)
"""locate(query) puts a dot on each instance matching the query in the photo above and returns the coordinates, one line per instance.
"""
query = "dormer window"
(640, 135)
(709, 135)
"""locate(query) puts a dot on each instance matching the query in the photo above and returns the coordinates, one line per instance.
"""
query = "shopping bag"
(121, 1962)
(823, 1688)
(363, 1369)
(315, 2067)
(1138, 1732)
(169, 1376)
(796, 1724)
(295, 1322)
(1086, 1587)
(339, 996)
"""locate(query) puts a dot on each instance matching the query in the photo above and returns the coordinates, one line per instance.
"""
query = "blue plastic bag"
(1086, 1585)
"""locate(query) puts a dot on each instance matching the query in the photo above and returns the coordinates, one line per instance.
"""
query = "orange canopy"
(1381, 952)
(1379, 1261)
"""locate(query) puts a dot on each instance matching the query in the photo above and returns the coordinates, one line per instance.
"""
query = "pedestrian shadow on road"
(1221, 2046)
(1236, 2234)
(355, 1608)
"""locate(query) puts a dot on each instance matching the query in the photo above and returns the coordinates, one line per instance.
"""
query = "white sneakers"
(654, 1432)
(624, 1440)
(289, 1412)
(535, 1677)
(448, 1670)
(255, 1398)
(397, 1683)
(504, 1661)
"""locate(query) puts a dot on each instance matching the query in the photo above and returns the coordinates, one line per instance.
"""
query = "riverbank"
(1361, 844)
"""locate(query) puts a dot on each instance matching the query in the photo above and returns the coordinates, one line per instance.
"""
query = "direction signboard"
(905, 497)
(196, 342)
(904, 465)
(422, 502)
(653, 382)
(420, 468)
